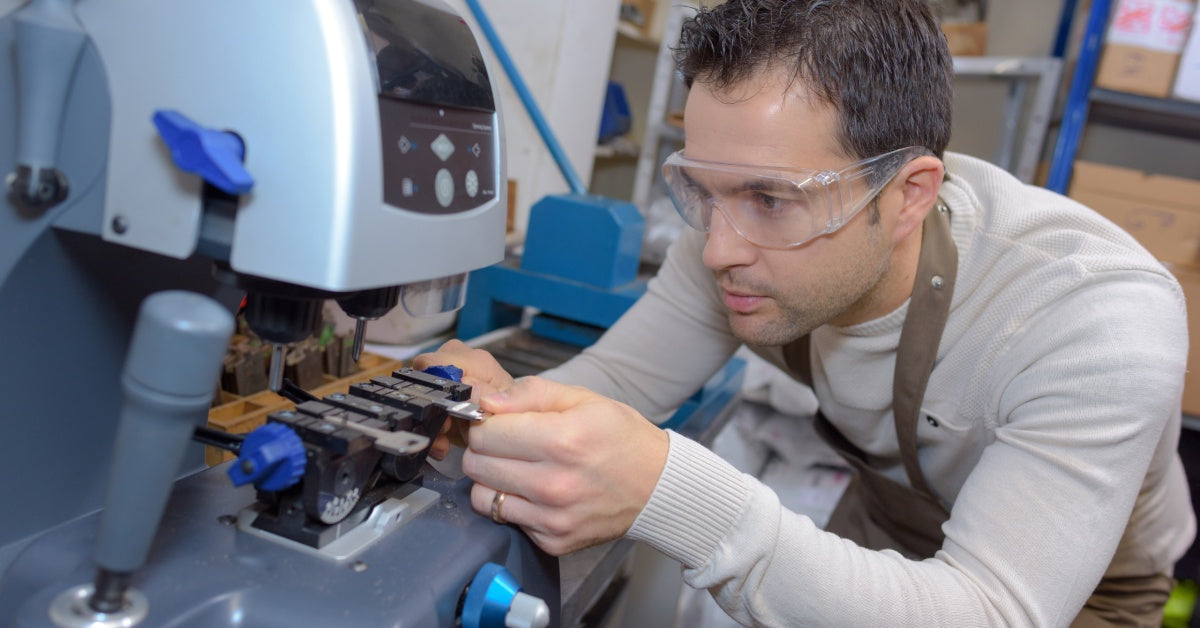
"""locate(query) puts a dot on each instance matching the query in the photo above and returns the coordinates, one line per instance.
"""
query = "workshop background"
(1122, 135)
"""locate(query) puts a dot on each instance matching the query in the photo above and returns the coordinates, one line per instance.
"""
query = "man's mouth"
(741, 302)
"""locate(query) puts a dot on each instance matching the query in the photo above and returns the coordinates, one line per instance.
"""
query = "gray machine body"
(330, 211)
(204, 572)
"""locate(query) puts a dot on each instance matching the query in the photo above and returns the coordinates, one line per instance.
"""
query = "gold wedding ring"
(497, 504)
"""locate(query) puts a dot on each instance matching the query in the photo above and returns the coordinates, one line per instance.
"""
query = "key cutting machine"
(164, 161)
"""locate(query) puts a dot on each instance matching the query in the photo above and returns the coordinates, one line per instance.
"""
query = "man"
(1002, 366)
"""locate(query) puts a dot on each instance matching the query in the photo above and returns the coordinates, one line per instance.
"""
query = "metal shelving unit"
(1087, 103)
(1157, 115)
(667, 94)
(1070, 132)
(1017, 151)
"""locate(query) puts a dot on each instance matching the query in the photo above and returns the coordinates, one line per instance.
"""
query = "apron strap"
(928, 311)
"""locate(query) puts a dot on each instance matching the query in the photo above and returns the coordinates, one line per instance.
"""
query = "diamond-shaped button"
(442, 147)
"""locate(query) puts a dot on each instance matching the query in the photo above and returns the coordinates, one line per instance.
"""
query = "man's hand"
(576, 467)
(481, 372)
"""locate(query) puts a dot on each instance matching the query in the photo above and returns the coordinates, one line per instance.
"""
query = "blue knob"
(214, 155)
(489, 596)
(446, 371)
(495, 600)
(272, 457)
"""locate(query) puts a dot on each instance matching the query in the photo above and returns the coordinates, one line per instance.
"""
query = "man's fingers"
(526, 421)
(441, 447)
(444, 354)
(523, 436)
(535, 394)
(503, 508)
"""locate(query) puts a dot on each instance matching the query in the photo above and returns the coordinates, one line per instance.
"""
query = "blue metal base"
(496, 296)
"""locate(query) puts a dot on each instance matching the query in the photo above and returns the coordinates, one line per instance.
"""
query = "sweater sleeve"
(1034, 527)
(765, 565)
(666, 345)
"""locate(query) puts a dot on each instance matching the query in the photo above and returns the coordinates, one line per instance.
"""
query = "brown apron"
(879, 513)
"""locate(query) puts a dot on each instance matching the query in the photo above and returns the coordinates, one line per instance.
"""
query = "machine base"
(204, 570)
(385, 517)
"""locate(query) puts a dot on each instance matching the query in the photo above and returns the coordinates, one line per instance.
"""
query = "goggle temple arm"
(846, 183)
(836, 195)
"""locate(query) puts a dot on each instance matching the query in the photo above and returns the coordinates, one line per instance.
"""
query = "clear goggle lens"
(774, 207)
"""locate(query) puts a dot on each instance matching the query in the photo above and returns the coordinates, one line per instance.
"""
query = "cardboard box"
(1143, 45)
(1187, 76)
(966, 39)
(643, 18)
(1162, 212)
(1137, 70)
(1189, 279)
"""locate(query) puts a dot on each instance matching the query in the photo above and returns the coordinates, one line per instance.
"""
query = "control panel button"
(443, 187)
(472, 183)
(442, 147)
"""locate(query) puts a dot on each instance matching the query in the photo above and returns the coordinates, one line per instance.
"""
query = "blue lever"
(446, 371)
(214, 155)
(272, 456)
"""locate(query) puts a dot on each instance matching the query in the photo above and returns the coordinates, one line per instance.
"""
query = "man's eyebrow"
(745, 185)
(764, 185)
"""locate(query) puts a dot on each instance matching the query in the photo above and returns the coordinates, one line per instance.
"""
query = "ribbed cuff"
(694, 505)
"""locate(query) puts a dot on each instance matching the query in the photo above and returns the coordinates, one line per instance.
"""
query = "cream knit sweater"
(1056, 402)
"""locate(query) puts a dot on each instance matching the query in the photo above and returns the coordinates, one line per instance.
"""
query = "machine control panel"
(437, 159)
(437, 113)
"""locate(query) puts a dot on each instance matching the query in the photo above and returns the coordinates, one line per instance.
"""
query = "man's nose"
(725, 247)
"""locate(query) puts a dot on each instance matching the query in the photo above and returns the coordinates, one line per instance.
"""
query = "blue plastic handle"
(446, 371)
(214, 155)
(272, 456)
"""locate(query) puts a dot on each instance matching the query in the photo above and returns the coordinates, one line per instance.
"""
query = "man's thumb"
(529, 394)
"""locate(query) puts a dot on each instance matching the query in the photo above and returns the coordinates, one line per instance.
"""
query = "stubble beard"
(778, 327)
(792, 316)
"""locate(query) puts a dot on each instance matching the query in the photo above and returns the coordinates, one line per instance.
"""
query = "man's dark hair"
(882, 64)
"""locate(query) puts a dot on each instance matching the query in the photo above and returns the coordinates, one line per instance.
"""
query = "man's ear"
(919, 182)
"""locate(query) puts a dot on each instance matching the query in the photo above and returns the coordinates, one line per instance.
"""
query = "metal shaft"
(275, 374)
(109, 594)
(360, 332)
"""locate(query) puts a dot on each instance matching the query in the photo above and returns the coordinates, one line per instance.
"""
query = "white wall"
(562, 49)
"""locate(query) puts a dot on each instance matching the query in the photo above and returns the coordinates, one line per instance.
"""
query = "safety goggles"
(778, 208)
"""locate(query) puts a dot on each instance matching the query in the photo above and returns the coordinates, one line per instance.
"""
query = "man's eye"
(768, 206)
(696, 192)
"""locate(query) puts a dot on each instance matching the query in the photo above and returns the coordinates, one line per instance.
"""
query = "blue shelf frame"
(1075, 111)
